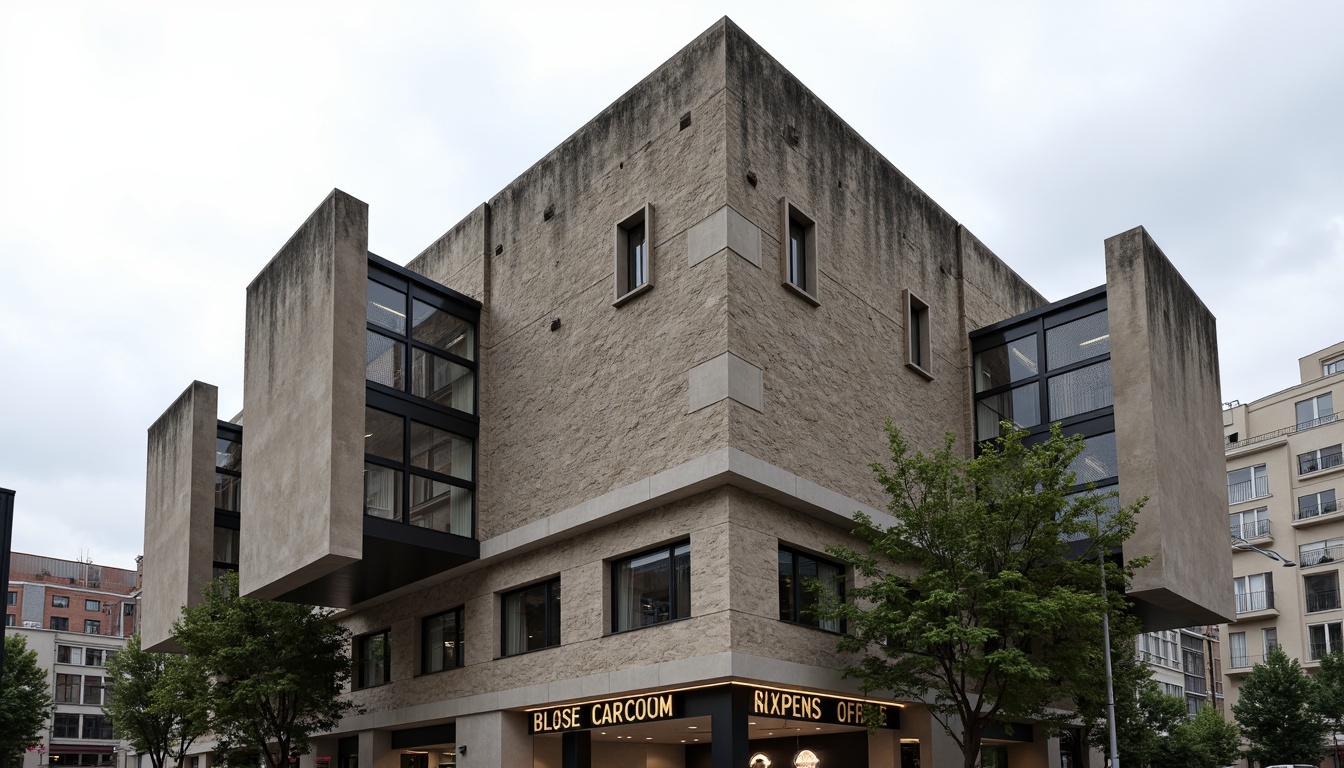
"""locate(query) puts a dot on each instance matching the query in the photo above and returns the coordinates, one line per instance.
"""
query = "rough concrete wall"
(1310, 367)
(302, 502)
(833, 373)
(1168, 426)
(459, 259)
(601, 401)
(179, 512)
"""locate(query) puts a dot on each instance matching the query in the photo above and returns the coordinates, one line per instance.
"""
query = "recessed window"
(798, 251)
(92, 626)
(651, 588)
(634, 255)
(1006, 363)
(1316, 504)
(439, 472)
(442, 348)
(1251, 524)
(373, 659)
(93, 657)
(228, 474)
(1333, 367)
(1098, 461)
(1319, 459)
(441, 641)
(1081, 390)
(59, 623)
(60, 601)
(93, 689)
(12, 598)
(1254, 592)
(93, 605)
(67, 689)
(1323, 639)
(9, 619)
(1322, 591)
(797, 603)
(225, 548)
(1247, 483)
(1236, 645)
(65, 726)
(1317, 552)
(1078, 340)
(97, 727)
(1315, 411)
(918, 345)
(531, 618)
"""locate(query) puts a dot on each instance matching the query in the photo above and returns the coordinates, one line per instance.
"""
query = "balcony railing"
(1320, 555)
(1304, 513)
(1247, 490)
(1252, 530)
(1316, 650)
(1322, 600)
(1304, 426)
(1244, 661)
(1255, 601)
(1309, 463)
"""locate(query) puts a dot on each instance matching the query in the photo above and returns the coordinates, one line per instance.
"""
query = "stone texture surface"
(1168, 429)
(179, 512)
(303, 391)
(725, 376)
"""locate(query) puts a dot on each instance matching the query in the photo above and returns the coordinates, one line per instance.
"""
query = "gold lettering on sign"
(794, 706)
(555, 719)
(636, 710)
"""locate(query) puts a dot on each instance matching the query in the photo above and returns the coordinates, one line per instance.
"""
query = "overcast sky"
(153, 157)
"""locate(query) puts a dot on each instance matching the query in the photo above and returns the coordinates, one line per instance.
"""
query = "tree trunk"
(970, 743)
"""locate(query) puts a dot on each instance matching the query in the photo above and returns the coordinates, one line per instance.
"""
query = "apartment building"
(1186, 662)
(1285, 468)
(75, 616)
(565, 471)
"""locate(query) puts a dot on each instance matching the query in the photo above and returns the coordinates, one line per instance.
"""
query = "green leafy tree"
(1144, 715)
(25, 699)
(984, 598)
(1206, 741)
(157, 701)
(1276, 715)
(1327, 695)
(276, 670)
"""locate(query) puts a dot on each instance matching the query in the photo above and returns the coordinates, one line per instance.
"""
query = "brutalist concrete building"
(565, 470)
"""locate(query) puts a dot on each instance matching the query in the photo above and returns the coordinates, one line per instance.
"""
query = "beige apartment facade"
(1285, 471)
(564, 472)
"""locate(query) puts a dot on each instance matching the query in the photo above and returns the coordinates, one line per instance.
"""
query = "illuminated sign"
(759, 760)
(817, 708)
(805, 759)
(636, 709)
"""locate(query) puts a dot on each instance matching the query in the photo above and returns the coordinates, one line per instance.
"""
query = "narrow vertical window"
(918, 341)
(634, 250)
(651, 588)
(531, 618)
(798, 252)
(441, 641)
(373, 659)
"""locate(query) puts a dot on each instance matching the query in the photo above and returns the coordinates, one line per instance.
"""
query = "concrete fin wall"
(302, 490)
(1168, 429)
(179, 512)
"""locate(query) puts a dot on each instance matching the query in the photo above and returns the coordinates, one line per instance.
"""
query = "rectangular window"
(1323, 639)
(60, 601)
(1251, 524)
(67, 689)
(531, 618)
(12, 598)
(1316, 504)
(373, 659)
(1270, 638)
(797, 603)
(1254, 592)
(1319, 459)
(92, 626)
(1315, 411)
(1098, 461)
(65, 726)
(93, 657)
(634, 273)
(1081, 390)
(1322, 591)
(93, 605)
(798, 251)
(1172, 689)
(1021, 406)
(1236, 646)
(93, 690)
(1333, 367)
(225, 549)
(1006, 363)
(919, 336)
(651, 588)
(97, 727)
(1247, 483)
(9, 619)
(1317, 552)
(1078, 340)
(60, 623)
(441, 641)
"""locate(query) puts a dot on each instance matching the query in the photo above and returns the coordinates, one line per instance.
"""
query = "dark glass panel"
(1080, 391)
(1021, 406)
(1098, 461)
(228, 455)
(228, 491)
(443, 381)
(444, 330)
(1006, 363)
(383, 434)
(1078, 340)
(385, 361)
(440, 506)
(382, 492)
(440, 451)
(386, 307)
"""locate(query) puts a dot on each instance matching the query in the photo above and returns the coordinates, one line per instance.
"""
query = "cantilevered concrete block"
(1169, 437)
(179, 512)
(304, 399)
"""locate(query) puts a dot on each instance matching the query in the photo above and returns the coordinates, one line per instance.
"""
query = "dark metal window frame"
(361, 676)
(795, 614)
(65, 601)
(62, 621)
(670, 549)
(407, 406)
(458, 661)
(549, 601)
(1039, 322)
(225, 518)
